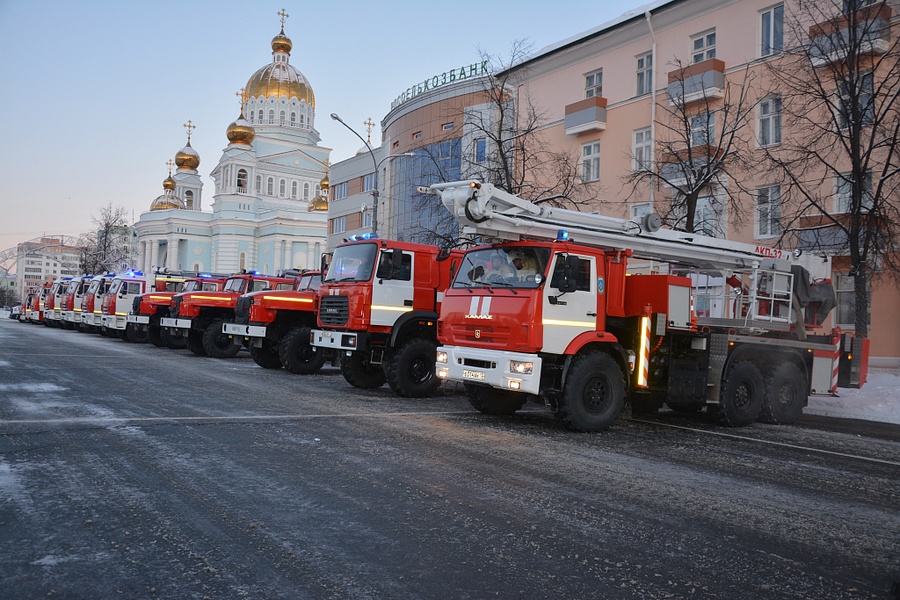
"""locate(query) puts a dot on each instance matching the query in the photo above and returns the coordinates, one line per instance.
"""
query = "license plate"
(473, 375)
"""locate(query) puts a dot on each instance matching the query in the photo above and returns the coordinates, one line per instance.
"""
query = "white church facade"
(269, 211)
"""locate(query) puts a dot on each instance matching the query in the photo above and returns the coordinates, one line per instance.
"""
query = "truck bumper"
(336, 340)
(113, 321)
(490, 367)
(70, 316)
(138, 319)
(175, 323)
(247, 331)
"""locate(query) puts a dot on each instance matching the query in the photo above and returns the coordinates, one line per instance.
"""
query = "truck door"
(392, 287)
(569, 314)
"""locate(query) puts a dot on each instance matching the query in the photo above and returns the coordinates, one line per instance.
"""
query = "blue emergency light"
(562, 235)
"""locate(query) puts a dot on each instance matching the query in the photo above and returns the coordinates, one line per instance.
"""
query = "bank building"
(269, 209)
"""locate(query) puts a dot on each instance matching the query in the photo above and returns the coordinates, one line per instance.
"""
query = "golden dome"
(279, 78)
(240, 132)
(281, 43)
(168, 183)
(187, 158)
(319, 204)
(324, 185)
(167, 201)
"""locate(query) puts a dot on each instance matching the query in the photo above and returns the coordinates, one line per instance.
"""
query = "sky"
(95, 92)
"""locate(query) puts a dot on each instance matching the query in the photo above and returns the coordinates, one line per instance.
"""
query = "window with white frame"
(368, 182)
(641, 150)
(703, 129)
(640, 210)
(339, 224)
(306, 191)
(703, 46)
(367, 219)
(708, 217)
(862, 89)
(340, 191)
(593, 84)
(294, 187)
(282, 188)
(768, 211)
(770, 121)
(844, 192)
(270, 186)
(845, 297)
(480, 150)
(590, 162)
(771, 31)
(258, 183)
(644, 73)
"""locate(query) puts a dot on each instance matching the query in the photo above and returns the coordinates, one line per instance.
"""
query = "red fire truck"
(70, 318)
(53, 302)
(148, 308)
(201, 314)
(123, 289)
(378, 307)
(571, 323)
(34, 311)
(276, 325)
(92, 303)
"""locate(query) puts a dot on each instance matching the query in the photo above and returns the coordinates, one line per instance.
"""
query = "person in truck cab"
(499, 269)
(526, 266)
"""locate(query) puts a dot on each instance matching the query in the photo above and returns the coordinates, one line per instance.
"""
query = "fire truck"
(276, 325)
(92, 303)
(148, 308)
(53, 303)
(201, 314)
(71, 301)
(123, 290)
(598, 310)
(34, 307)
(378, 308)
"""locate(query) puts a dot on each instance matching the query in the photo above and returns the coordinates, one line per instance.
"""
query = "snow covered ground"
(878, 400)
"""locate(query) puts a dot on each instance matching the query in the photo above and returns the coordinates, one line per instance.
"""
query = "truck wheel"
(266, 356)
(359, 373)
(785, 396)
(174, 339)
(121, 333)
(154, 334)
(594, 393)
(297, 354)
(219, 345)
(742, 396)
(410, 369)
(195, 343)
(135, 335)
(492, 401)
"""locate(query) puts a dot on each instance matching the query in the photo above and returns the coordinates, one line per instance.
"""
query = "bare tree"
(702, 149)
(839, 82)
(107, 247)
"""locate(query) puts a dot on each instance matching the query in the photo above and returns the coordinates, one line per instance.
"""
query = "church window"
(306, 191)
(270, 186)
(259, 116)
(294, 190)
(293, 118)
(258, 183)
(281, 118)
(271, 116)
(242, 179)
(189, 199)
(282, 187)
(301, 119)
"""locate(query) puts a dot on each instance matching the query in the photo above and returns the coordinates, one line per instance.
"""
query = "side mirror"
(570, 270)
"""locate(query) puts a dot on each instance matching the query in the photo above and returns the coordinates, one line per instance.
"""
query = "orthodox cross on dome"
(283, 16)
(240, 96)
(189, 127)
(369, 125)
(170, 163)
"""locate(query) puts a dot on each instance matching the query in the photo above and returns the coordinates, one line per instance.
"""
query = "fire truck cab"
(123, 289)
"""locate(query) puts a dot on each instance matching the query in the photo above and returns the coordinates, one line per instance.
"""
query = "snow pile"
(878, 400)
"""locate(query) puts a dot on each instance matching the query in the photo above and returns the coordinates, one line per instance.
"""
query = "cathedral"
(269, 210)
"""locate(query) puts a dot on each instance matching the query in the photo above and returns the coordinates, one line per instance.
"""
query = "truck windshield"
(235, 285)
(354, 262)
(511, 266)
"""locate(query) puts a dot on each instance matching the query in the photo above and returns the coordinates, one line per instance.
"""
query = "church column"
(172, 253)
(278, 257)
(288, 256)
(142, 253)
(154, 255)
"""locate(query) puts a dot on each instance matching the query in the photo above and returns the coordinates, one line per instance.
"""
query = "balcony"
(674, 166)
(697, 82)
(829, 41)
(586, 115)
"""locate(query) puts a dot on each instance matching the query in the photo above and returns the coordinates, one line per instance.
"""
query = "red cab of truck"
(148, 308)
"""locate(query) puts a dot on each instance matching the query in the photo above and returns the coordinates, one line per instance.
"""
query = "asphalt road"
(129, 471)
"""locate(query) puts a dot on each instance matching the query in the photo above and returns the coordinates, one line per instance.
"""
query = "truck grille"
(334, 310)
(242, 310)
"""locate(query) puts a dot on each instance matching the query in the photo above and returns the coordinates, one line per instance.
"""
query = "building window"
(770, 121)
(447, 126)
(772, 31)
(367, 219)
(845, 296)
(703, 129)
(302, 119)
(593, 84)
(258, 182)
(768, 211)
(270, 186)
(641, 150)
(259, 116)
(417, 135)
(293, 118)
(864, 97)
(282, 188)
(708, 218)
(703, 46)
(340, 191)
(306, 191)
(644, 73)
(339, 225)
(271, 116)
(395, 145)
(590, 162)
(281, 118)
(242, 179)
(844, 192)
(640, 210)
(368, 182)
(294, 187)
(189, 200)
(480, 150)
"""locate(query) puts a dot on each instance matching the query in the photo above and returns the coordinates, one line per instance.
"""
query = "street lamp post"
(375, 163)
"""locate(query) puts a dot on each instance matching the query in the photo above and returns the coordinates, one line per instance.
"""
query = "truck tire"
(297, 354)
(174, 339)
(785, 395)
(594, 393)
(742, 396)
(410, 369)
(195, 343)
(359, 373)
(265, 356)
(492, 401)
(154, 334)
(135, 335)
(219, 345)
(122, 334)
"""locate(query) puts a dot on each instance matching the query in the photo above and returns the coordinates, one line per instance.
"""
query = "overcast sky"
(95, 93)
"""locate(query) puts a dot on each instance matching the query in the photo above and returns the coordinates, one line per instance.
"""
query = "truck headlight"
(521, 367)
(441, 357)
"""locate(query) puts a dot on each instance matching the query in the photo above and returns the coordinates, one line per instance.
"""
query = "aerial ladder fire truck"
(583, 311)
